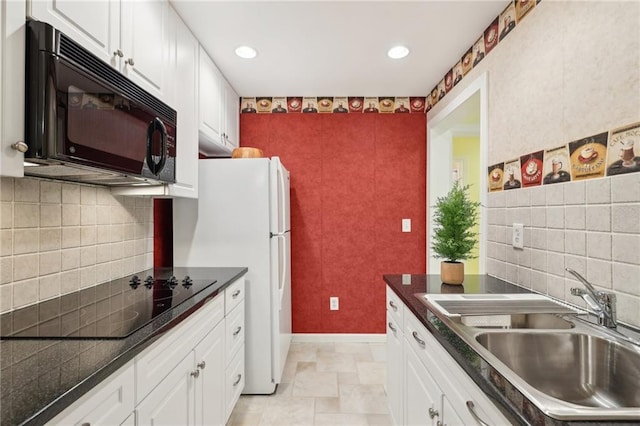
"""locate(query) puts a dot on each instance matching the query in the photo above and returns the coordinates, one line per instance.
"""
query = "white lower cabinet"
(192, 375)
(434, 389)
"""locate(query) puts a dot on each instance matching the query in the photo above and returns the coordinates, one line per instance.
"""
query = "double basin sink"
(570, 369)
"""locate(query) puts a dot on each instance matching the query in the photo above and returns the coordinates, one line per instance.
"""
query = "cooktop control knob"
(187, 282)
(134, 282)
(172, 282)
(148, 282)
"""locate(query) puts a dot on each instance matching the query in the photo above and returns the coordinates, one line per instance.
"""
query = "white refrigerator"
(242, 218)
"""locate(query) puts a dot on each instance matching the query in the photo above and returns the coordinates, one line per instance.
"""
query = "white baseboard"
(338, 337)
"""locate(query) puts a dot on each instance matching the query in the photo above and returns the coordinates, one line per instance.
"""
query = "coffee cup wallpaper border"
(609, 153)
(500, 27)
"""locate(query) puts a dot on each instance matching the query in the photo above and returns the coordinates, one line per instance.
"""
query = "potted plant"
(453, 239)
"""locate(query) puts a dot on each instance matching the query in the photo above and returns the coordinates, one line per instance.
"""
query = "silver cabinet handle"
(201, 365)
(235, 333)
(118, 53)
(195, 373)
(238, 380)
(392, 328)
(235, 294)
(418, 339)
(393, 305)
(439, 423)
(472, 410)
(20, 146)
(433, 413)
(130, 62)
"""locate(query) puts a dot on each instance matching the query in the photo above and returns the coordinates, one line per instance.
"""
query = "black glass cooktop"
(111, 310)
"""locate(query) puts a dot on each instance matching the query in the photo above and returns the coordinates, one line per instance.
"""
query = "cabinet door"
(395, 369)
(423, 398)
(234, 382)
(185, 71)
(450, 417)
(232, 116)
(145, 44)
(93, 24)
(210, 383)
(172, 401)
(109, 403)
(12, 41)
(210, 95)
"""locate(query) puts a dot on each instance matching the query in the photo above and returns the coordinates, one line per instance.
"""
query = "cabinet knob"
(129, 62)
(20, 146)
(237, 380)
(201, 365)
(418, 339)
(195, 373)
(118, 53)
(235, 333)
(392, 327)
(235, 294)
(393, 305)
(433, 413)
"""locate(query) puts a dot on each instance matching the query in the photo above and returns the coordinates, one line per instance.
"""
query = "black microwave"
(86, 122)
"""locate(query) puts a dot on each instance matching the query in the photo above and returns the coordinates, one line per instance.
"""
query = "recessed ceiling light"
(398, 52)
(246, 52)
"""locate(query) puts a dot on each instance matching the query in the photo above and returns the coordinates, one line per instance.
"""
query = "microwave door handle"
(156, 125)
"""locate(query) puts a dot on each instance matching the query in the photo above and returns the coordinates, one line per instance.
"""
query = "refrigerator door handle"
(283, 275)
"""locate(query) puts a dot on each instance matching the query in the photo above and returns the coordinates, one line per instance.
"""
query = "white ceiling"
(336, 48)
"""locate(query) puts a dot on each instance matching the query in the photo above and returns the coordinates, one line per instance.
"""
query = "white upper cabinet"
(132, 36)
(12, 41)
(219, 111)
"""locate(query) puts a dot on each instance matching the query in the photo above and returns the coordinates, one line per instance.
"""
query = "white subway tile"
(69, 281)
(117, 233)
(70, 193)
(87, 215)
(116, 251)
(539, 239)
(625, 188)
(6, 188)
(104, 234)
(103, 272)
(70, 236)
(6, 215)
(26, 215)
(599, 191)
(49, 286)
(555, 264)
(87, 256)
(88, 195)
(626, 248)
(524, 257)
(27, 190)
(539, 281)
(103, 215)
(511, 255)
(501, 234)
(70, 259)
(574, 217)
(6, 298)
(129, 231)
(498, 215)
(103, 253)
(539, 260)
(555, 286)
(537, 195)
(575, 242)
(522, 215)
(555, 217)
(117, 269)
(104, 197)
(70, 214)
(577, 263)
(50, 239)
(524, 198)
(511, 198)
(25, 241)
(6, 242)
(50, 215)
(6, 270)
(554, 195)
(25, 293)
(555, 241)
(25, 267)
(574, 193)
(524, 277)
(50, 262)
(88, 235)
(87, 276)
(539, 217)
(599, 218)
(599, 245)
(628, 311)
(625, 278)
(599, 273)
(625, 218)
(50, 192)
(512, 273)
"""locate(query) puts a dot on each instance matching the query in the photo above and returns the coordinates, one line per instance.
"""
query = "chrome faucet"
(602, 303)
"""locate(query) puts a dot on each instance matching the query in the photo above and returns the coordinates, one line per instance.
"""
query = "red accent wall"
(353, 178)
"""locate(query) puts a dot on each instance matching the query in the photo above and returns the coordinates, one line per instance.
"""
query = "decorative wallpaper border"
(605, 154)
(502, 25)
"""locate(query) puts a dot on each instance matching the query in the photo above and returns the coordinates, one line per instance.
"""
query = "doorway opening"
(457, 148)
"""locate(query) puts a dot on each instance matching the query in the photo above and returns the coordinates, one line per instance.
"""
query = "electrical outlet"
(334, 303)
(406, 225)
(517, 240)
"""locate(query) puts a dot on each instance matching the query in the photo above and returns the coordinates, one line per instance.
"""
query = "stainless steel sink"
(578, 368)
(519, 321)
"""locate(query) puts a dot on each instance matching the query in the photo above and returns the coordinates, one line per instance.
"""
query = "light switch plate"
(406, 225)
(517, 238)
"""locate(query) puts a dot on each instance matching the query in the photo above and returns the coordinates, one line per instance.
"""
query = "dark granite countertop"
(511, 402)
(41, 377)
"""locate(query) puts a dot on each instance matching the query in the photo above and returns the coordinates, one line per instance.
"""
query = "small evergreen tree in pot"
(453, 239)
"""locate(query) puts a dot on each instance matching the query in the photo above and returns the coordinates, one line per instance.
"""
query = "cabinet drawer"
(395, 307)
(110, 402)
(234, 382)
(155, 362)
(234, 332)
(233, 295)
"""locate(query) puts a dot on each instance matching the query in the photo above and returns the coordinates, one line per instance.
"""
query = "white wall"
(56, 238)
(570, 70)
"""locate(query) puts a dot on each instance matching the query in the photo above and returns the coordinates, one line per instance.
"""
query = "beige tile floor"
(323, 384)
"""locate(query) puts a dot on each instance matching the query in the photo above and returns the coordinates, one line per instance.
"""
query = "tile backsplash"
(56, 238)
(591, 226)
